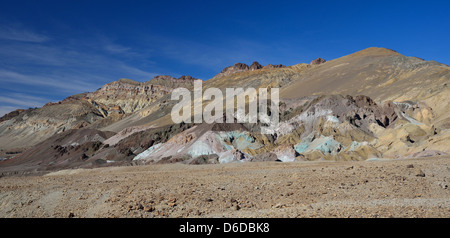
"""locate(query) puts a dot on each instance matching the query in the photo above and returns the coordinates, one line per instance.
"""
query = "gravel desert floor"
(384, 188)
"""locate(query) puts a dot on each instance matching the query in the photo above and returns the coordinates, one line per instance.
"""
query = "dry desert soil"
(383, 188)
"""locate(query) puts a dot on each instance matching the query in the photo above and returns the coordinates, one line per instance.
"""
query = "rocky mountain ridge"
(241, 67)
(372, 104)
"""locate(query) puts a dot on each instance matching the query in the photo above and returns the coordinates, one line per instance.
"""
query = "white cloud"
(116, 49)
(33, 65)
(20, 34)
(23, 100)
(137, 72)
(66, 83)
(212, 55)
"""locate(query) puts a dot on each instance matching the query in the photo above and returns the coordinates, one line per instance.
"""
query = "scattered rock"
(149, 208)
(443, 185)
(172, 202)
(84, 157)
(419, 173)
(279, 205)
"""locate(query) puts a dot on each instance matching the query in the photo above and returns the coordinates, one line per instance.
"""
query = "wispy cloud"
(13, 101)
(32, 63)
(22, 100)
(76, 66)
(212, 55)
(64, 83)
(35, 69)
(116, 49)
(21, 34)
(23, 54)
(6, 109)
(137, 72)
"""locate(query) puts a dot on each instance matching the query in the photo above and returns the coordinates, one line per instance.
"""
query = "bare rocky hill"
(373, 104)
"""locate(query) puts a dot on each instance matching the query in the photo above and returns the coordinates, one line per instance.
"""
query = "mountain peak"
(187, 78)
(376, 51)
(317, 61)
(240, 66)
(255, 66)
(237, 67)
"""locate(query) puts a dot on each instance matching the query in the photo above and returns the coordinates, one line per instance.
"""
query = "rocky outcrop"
(317, 61)
(255, 66)
(359, 111)
(202, 140)
(321, 127)
(132, 96)
(285, 153)
(271, 66)
(369, 112)
(240, 67)
(171, 82)
(11, 115)
(264, 157)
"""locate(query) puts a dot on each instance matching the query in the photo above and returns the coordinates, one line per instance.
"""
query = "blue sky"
(53, 49)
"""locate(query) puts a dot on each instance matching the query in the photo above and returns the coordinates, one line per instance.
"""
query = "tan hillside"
(373, 104)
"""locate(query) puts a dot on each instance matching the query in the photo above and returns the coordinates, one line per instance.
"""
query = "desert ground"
(382, 188)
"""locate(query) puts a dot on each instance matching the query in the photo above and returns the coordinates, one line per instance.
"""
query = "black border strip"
(236, 226)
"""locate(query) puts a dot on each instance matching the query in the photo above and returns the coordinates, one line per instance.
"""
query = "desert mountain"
(372, 104)
(110, 103)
